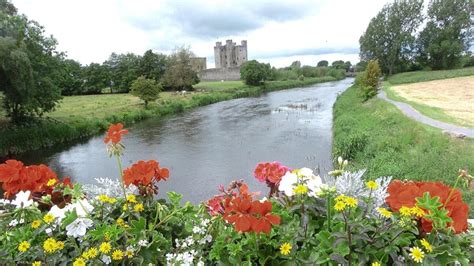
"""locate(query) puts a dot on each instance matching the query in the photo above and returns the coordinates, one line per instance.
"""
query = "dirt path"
(414, 114)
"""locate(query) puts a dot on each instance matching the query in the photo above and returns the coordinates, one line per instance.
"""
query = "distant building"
(198, 64)
(230, 55)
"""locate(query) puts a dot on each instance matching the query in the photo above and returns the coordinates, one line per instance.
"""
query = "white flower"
(339, 160)
(79, 227)
(205, 222)
(305, 172)
(58, 213)
(13, 223)
(198, 230)
(106, 259)
(5, 202)
(22, 199)
(287, 183)
(48, 231)
(315, 184)
(143, 243)
(82, 207)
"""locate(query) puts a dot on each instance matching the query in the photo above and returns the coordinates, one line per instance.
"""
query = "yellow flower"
(112, 200)
(90, 253)
(50, 245)
(417, 211)
(131, 198)
(79, 262)
(339, 206)
(300, 189)
(103, 198)
(117, 255)
(351, 202)
(417, 254)
(375, 263)
(427, 245)
(341, 197)
(405, 211)
(129, 253)
(35, 224)
(105, 247)
(36, 263)
(121, 223)
(384, 212)
(372, 185)
(285, 248)
(138, 207)
(51, 182)
(107, 236)
(125, 207)
(59, 245)
(24, 246)
(48, 218)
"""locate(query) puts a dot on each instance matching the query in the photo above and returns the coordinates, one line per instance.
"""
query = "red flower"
(144, 173)
(215, 205)
(270, 172)
(249, 215)
(114, 134)
(15, 177)
(405, 194)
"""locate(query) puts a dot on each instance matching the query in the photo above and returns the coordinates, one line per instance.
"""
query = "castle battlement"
(230, 54)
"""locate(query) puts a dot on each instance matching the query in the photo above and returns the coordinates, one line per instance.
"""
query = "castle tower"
(230, 55)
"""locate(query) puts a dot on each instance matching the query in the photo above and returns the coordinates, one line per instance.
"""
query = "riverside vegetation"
(302, 220)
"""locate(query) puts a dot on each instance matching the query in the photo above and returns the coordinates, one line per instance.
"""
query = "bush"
(370, 80)
(254, 73)
(146, 89)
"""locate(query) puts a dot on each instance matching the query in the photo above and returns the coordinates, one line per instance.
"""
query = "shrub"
(254, 73)
(370, 80)
(146, 89)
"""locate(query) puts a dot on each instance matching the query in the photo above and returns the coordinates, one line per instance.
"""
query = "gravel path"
(414, 114)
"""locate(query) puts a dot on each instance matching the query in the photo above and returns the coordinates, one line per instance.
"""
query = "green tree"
(146, 89)
(338, 64)
(124, 69)
(178, 74)
(389, 36)
(447, 34)
(370, 80)
(254, 73)
(323, 63)
(71, 78)
(152, 66)
(29, 68)
(95, 78)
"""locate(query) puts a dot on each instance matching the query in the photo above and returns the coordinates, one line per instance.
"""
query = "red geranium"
(114, 134)
(405, 194)
(145, 173)
(270, 172)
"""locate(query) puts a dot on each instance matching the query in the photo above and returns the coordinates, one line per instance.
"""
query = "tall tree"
(124, 69)
(152, 65)
(29, 67)
(71, 78)
(323, 63)
(389, 36)
(179, 75)
(448, 33)
(95, 78)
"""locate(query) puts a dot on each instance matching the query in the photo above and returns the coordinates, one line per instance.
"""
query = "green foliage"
(389, 36)
(178, 74)
(435, 211)
(123, 70)
(254, 73)
(146, 89)
(395, 145)
(336, 73)
(420, 76)
(370, 80)
(361, 66)
(323, 63)
(29, 65)
(447, 34)
(152, 66)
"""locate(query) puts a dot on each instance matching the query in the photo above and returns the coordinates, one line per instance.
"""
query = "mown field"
(375, 135)
(445, 95)
(82, 116)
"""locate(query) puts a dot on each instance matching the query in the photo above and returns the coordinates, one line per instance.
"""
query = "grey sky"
(277, 32)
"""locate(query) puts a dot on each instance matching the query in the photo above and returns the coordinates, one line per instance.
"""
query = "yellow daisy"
(24, 246)
(285, 248)
(427, 245)
(48, 218)
(105, 247)
(372, 185)
(375, 263)
(417, 254)
(131, 198)
(117, 255)
(36, 263)
(300, 189)
(51, 182)
(384, 212)
(50, 245)
(79, 262)
(405, 211)
(35, 224)
(138, 207)
(351, 202)
(339, 206)
(417, 211)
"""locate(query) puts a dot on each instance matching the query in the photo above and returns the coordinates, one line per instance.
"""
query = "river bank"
(61, 129)
(377, 136)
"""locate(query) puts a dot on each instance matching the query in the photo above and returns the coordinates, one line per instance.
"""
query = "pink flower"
(270, 172)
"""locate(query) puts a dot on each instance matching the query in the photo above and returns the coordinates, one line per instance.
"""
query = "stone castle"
(228, 59)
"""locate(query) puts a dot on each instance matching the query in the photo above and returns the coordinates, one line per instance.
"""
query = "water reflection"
(216, 144)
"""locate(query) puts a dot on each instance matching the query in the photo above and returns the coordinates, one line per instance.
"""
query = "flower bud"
(345, 162)
(339, 160)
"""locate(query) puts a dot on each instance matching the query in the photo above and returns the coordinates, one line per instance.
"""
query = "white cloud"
(277, 31)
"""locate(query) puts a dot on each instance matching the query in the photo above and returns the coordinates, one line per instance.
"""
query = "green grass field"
(375, 135)
(421, 76)
(219, 85)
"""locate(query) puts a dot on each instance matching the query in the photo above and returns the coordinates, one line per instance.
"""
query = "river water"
(215, 144)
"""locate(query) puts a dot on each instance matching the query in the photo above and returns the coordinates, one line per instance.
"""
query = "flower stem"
(119, 162)
(329, 204)
(452, 190)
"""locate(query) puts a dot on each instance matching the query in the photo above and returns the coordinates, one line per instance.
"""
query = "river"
(213, 145)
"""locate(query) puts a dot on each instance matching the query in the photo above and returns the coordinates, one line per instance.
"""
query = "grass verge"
(83, 116)
(375, 135)
(419, 76)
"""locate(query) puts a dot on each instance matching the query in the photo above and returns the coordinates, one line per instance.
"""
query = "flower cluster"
(301, 181)
(145, 174)
(271, 173)
(402, 195)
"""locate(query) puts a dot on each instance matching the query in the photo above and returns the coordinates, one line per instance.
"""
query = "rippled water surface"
(216, 144)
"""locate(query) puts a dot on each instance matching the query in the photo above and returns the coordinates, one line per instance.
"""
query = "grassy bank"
(419, 76)
(83, 116)
(377, 136)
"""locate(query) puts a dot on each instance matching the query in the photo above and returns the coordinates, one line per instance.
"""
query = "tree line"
(396, 38)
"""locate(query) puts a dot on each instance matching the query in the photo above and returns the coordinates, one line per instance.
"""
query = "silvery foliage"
(352, 184)
(109, 187)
